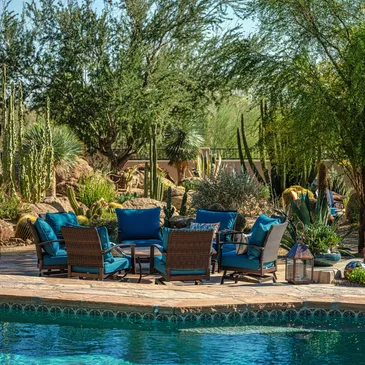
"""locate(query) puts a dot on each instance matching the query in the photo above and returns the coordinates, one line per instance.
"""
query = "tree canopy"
(113, 73)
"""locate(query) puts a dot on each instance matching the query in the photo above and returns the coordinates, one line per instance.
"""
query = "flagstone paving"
(19, 283)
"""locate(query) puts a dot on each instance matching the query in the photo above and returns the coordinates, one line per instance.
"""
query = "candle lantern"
(299, 263)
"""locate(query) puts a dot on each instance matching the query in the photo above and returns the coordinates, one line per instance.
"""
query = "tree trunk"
(118, 163)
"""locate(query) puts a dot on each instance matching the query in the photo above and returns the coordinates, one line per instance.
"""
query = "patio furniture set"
(188, 254)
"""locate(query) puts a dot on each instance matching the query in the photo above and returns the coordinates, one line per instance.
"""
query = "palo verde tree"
(310, 58)
(116, 74)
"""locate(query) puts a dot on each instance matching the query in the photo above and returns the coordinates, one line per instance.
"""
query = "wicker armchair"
(47, 265)
(253, 270)
(86, 255)
(185, 257)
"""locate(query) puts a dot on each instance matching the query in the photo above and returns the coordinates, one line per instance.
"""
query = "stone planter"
(326, 259)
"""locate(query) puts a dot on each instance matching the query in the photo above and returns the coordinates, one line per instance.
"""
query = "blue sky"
(247, 25)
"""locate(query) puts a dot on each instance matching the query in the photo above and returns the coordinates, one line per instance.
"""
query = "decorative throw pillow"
(46, 233)
(205, 227)
(243, 238)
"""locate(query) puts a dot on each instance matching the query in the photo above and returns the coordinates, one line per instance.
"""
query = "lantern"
(299, 264)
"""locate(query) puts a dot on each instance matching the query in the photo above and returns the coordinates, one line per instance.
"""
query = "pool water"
(86, 343)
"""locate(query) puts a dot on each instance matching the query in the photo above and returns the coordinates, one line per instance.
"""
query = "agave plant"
(319, 232)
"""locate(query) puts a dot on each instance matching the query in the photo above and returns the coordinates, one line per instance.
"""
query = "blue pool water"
(32, 341)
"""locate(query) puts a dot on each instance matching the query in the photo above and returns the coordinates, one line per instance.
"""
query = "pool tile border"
(248, 316)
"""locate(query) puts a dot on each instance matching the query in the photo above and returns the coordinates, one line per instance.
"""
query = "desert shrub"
(357, 276)
(231, 189)
(93, 188)
(125, 197)
(11, 207)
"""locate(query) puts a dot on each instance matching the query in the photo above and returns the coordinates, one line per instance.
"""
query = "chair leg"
(213, 267)
(223, 276)
(274, 277)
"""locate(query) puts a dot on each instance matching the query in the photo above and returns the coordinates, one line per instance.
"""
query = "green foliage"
(122, 198)
(11, 207)
(230, 189)
(321, 238)
(93, 188)
(337, 182)
(357, 276)
(168, 210)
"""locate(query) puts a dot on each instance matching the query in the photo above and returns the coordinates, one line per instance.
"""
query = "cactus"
(183, 208)
(160, 188)
(5, 149)
(22, 229)
(145, 181)
(153, 166)
(70, 192)
(49, 157)
(208, 166)
(322, 201)
(114, 205)
(83, 220)
(168, 210)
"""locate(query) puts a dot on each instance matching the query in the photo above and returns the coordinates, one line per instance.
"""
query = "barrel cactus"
(83, 220)
(22, 229)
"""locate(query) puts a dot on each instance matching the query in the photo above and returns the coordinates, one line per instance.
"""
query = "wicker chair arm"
(48, 242)
(159, 247)
(244, 244)
(121, 245)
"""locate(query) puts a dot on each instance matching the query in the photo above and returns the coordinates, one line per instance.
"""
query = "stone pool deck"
(144, 298)
(19, 284)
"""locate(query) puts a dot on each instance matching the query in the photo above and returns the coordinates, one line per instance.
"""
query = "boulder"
(6, 230)
(41, 208)
(70, 177)
(61, 203)
(143, 203)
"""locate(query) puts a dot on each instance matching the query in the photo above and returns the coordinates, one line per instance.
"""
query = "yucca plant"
(66, 146)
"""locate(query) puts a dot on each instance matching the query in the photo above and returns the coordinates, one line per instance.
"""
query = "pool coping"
(176, 300)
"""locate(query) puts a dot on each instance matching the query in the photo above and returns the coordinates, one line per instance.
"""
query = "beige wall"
(228, 164)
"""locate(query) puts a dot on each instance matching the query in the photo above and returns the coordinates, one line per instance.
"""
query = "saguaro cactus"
(168, 210)
(145, 181)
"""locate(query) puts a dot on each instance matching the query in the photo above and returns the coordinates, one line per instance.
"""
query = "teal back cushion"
(259, 231)
(226, 219)
(139, 223)
(105, 243)
(46, 233)
(57, 220)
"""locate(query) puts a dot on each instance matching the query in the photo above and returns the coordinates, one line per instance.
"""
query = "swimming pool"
(46, 336)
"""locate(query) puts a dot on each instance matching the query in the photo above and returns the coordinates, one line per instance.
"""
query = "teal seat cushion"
(231, 259)
(46, 233)
(160, 266)
(59, 259)
(258, 234)
(57, 220)
(138, 224)
(142, 243)
(119, 264)
(226, 219)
